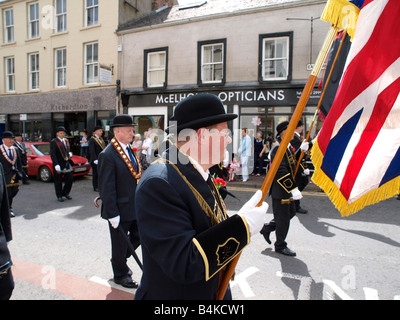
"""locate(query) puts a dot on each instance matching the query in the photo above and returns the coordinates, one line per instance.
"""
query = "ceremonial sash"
(100, 142)
(121, 152)
(63, 150)
(6, 156)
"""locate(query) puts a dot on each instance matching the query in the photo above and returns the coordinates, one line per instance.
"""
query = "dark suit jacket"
(57, 153)
(5, 222)
(283, 182)
(116, 186)
(183, 249)
(94, 149)
(10, 173)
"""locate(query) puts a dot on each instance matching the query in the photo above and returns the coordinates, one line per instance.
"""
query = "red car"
(41, 166)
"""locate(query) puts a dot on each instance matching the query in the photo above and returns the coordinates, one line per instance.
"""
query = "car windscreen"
(41, 149)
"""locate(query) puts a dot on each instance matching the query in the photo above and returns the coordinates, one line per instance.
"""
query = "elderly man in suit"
(186, 234)
(119, 173)
(61, 155)
(12, 167)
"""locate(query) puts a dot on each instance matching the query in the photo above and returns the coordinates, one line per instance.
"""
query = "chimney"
(157, 4)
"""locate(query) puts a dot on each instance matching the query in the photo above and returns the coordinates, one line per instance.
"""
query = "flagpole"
(320, 100)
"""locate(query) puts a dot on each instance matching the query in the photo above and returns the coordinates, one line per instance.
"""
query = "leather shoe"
(12, 214)
(126, 282)
(265, 232)
(60, 199)
(301, 210)
(286, 251)
(68, 197)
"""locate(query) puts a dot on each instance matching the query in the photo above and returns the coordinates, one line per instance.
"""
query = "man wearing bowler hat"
(60, 153)
(12, 167)
(283, 193)
(96, 145)
(186, 235)
(119, 173)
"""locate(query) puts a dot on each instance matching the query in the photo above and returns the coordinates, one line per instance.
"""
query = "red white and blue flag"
(357, 152)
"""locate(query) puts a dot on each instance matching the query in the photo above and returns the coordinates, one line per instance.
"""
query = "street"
(61, 251)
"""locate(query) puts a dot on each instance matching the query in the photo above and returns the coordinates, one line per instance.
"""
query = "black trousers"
(119, 248)
(6, 285)
(11, 193)
(95, 176)
(58, 183)
(283, 213)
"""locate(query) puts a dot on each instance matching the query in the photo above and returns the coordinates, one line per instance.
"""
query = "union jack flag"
(357, 152)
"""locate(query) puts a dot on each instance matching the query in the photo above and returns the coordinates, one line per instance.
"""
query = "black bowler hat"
(282, 127)
(17, 134)
(8, 134)
(61, 129)
(123, 120)
(200, 110)
(97, 128)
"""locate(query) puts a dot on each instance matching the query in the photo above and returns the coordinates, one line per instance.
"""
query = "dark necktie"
(10, 154)
(132, 157)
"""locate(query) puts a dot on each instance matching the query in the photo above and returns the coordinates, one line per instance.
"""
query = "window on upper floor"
(60, 67)
(211, 62)
(61, 15)
(275, 57)
(91, 63)
(33, 71)
(10, 74)
(33, 20)
(92, 12)
(155, 63)
(8, 26)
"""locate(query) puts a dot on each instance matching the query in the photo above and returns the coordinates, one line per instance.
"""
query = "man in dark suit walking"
(283, 192)
(12, 167)
(186, 235)
(119, 173)
(60, 154)
(96, 145)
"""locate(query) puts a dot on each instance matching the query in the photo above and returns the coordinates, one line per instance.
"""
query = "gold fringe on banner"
(342, 14)
(387, 190)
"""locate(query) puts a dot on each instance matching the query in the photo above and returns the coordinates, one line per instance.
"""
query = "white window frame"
(274, 59)
(213, 65)
(9, 28)
(33, 71)
(10, 74)
(91, 66)
(60, 69)
(91, 9)
(33, 22)
(61, 16)
(152, 70)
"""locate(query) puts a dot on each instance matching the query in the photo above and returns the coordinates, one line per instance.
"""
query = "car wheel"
(45, 174)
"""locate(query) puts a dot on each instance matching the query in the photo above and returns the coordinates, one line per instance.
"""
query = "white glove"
(307, 172)
(57, 167)
(96, 162)
(304, 146)
(114, 222)
(254, 216)
(70, 154)
(296, 194)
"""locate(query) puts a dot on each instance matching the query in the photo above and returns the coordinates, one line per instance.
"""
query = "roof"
(201, 9)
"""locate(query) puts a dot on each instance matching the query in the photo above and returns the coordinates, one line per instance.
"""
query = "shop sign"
(273, 97)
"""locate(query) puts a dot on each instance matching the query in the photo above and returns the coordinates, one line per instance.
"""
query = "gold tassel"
(341, 14)
(387, 190)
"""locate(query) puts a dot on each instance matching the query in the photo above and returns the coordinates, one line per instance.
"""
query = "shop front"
(259, 109)
(37, 116)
